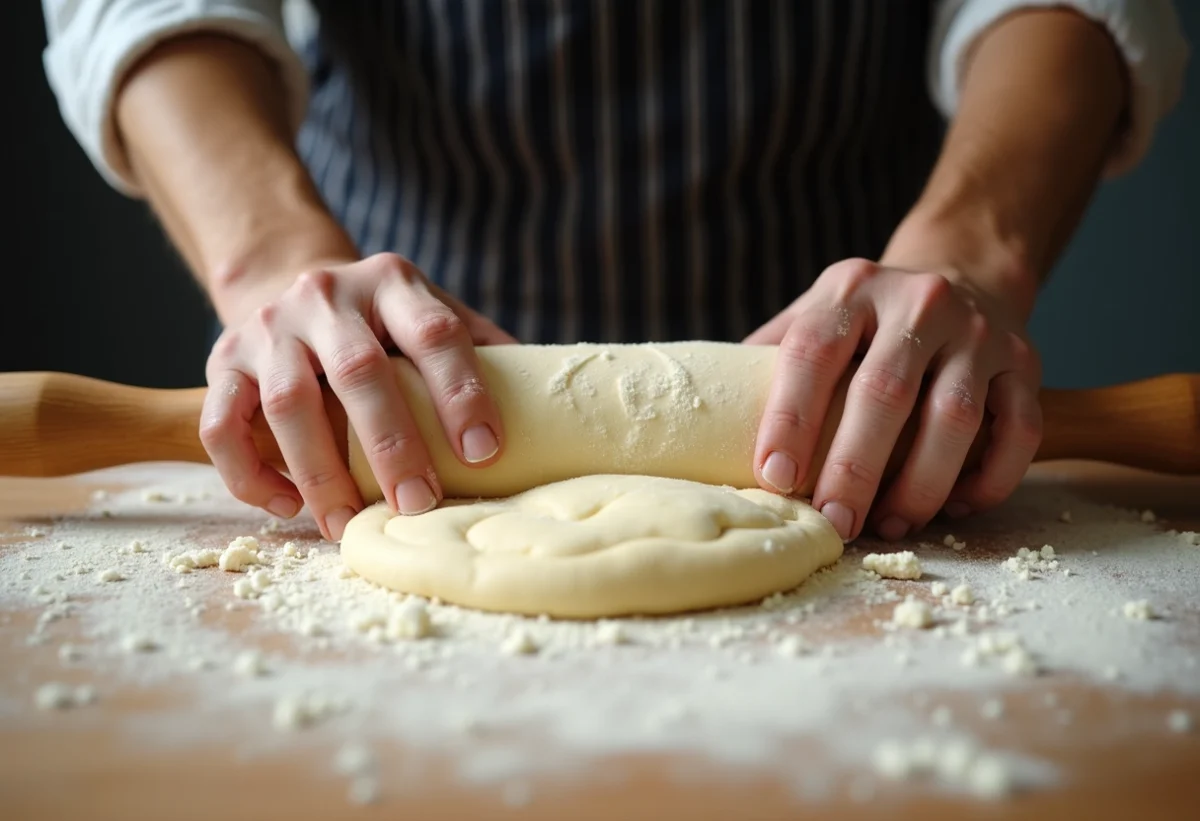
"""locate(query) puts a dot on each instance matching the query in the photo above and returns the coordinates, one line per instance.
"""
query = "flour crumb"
(54, 695)
(912, 613)
(240, 554)
(992, 709)
(611, 632)
(244, 589)
(519, 643)
(1148, 516)
(136, 546)
(1140, 610)
(155, 496)
(409, 621)
(137, 643)
(949, 540)
(1065, 517)
(903, 565)
(962, 595)
(110, 575)
(1179, 721)
(790, 647)
(938, 589)
(69, 653)
(303, 710)
(250, 664)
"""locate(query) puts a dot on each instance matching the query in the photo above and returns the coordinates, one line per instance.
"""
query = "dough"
(685, 410)
(596, 546)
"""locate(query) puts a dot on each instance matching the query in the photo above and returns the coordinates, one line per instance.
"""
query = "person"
(868, 184)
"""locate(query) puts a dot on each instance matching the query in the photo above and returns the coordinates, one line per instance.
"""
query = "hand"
(337, 321)
(908, 323)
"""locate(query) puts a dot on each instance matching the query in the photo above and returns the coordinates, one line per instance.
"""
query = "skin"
(207, 140)
(1040, 107)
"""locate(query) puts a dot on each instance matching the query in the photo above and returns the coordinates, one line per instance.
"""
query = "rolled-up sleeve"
(1147, 32)
(93, 43)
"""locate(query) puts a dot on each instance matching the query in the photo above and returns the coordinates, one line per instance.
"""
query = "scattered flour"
(355, 660)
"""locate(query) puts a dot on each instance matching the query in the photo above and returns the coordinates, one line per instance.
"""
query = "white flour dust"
(273, 640)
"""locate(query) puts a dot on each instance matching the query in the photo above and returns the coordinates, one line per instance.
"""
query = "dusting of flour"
(279, 640)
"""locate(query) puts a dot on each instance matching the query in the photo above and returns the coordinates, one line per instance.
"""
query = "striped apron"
(621, 171)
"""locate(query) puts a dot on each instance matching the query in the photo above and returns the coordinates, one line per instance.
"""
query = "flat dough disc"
(596, 546)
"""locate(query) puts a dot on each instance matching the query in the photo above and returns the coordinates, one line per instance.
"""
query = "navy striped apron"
(621, 171)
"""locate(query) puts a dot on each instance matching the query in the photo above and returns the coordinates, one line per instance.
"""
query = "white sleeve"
(1147, 32)
(92, 43)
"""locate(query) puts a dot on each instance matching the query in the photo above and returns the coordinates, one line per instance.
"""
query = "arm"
(206, 135)
(1041, 110)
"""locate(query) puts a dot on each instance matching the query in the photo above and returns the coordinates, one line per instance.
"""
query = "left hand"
(908, 323)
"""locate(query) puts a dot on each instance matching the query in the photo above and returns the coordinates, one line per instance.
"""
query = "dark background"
(92, 286)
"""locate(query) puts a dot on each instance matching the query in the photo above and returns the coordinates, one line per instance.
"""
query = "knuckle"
(394, 446)
(438, 328)
(357, 365)
(1023, 356)
(959, 414)
(391, 263)
(788, 422)
(225, 347)
(932, 290)
(851, 275)
(809, 350)
(318, 283)
(307, 481)
(267, 317)
(921, 499)
(979, 329)
(885, 389)
(463, 392)
(283, 396)
(851, 472)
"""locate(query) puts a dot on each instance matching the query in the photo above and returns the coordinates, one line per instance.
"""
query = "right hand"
(337, 321)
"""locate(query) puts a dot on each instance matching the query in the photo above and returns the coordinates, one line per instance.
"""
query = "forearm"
(1041, 105)
(202, 121)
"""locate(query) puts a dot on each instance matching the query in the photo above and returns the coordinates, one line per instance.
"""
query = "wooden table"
(59, 770)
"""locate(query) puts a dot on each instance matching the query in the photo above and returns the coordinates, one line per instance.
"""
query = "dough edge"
(648, 576)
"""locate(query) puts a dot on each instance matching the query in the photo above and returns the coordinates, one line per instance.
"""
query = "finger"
(229, 404)
(950, 419)
(878, 403)
(437, 341)
(291, 401)
(363, 378)
(1016, 433)
(813, 354)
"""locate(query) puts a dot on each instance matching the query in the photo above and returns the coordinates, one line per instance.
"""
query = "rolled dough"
(684, 410)
(596, 546)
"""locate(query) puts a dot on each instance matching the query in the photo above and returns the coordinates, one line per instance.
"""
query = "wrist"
(258, 272)
(968, 247)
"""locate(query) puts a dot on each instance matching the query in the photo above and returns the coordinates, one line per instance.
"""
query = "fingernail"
(956, 510)
(285, 507)
(479, 443)
(893, 529)
(779, 471)
(414, 496)
(336, 522)
(840, 516)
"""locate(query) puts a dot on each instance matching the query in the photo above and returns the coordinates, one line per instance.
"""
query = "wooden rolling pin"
(54, 424)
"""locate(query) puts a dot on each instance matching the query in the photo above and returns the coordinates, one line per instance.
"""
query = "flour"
(352, 661)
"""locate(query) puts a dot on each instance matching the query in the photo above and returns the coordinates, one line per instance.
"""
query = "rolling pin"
(685, 410)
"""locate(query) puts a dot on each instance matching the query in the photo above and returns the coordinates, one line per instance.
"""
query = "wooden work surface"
(59, 767)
